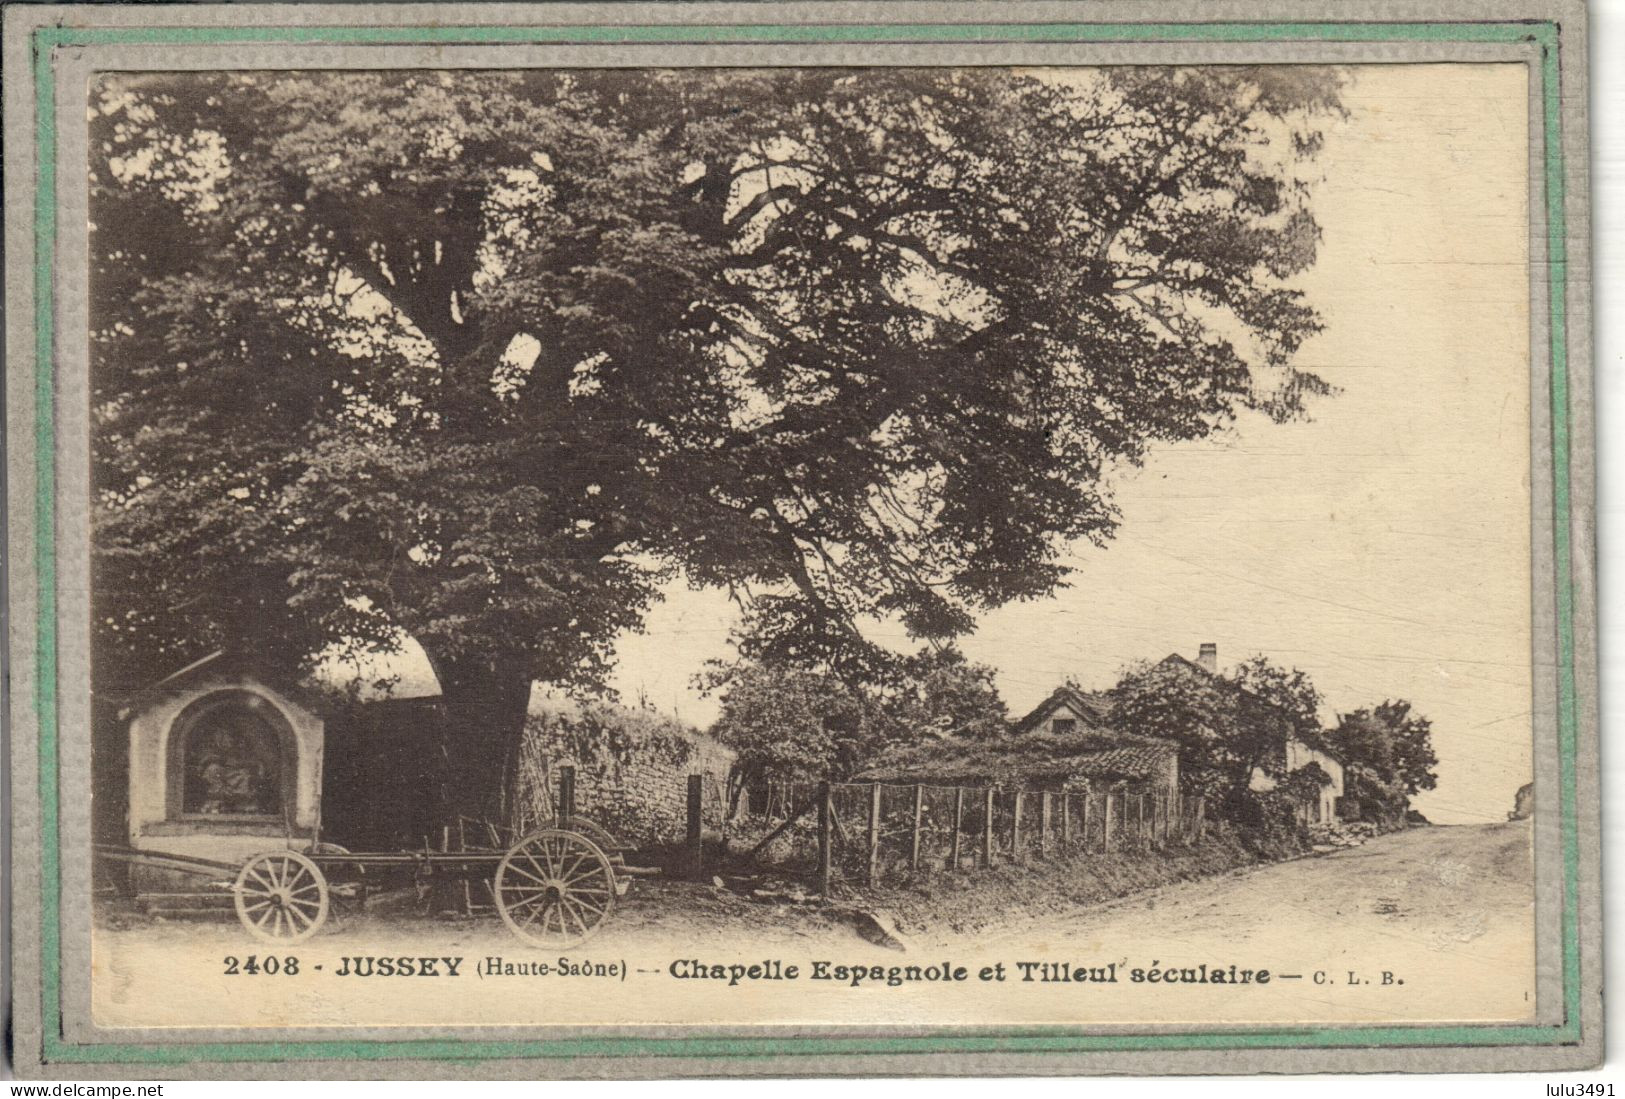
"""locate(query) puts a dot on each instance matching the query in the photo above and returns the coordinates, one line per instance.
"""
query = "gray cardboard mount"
(63, 374)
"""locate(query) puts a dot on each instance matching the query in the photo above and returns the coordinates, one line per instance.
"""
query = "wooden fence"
(867, 831)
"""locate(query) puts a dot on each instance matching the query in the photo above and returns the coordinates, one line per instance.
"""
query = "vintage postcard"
(650, 540)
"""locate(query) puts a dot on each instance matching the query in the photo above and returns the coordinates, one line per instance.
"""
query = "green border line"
(45, 534)
(1506, 31)
(1035, 1039)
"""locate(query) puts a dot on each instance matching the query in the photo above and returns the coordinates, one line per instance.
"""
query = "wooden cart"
(554, 888)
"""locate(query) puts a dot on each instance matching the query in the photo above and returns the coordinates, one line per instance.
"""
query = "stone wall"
(632, 769)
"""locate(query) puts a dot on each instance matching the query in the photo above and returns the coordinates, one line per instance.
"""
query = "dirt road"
(1446, 888)
(1429, 925)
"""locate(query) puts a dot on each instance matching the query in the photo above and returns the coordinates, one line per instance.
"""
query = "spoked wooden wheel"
(555, 888)
(281, 897)
(584, 826)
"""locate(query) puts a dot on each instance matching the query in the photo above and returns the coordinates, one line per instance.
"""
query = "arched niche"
(223, 764)
(231, 756)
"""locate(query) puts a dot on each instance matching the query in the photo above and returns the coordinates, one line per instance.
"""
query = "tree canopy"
(1392, 749)
(1227, 726)
(488, 357)
(1289, 691)
(790, 723)
(937, 693)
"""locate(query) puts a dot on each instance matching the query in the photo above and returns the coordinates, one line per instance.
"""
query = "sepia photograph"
(803, 548)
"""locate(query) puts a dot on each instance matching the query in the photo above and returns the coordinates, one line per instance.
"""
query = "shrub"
(1266, 821)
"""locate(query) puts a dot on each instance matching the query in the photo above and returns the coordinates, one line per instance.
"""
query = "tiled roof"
(1027, 758)
(1136, 761)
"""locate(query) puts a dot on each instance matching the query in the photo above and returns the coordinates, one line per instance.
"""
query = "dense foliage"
(937, 693)
(1227, 726)
(484, 358)
(1389, 755)
(789, 723)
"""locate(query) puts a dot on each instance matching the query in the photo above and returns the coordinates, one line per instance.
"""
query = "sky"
(1383, 546)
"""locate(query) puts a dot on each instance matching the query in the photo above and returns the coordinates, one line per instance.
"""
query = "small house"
(1296, 752)
(1300, 755)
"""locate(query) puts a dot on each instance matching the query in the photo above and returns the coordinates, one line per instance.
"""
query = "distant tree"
(1288, 691)
(938, 693)
(1200, 713)
(787, 723)
(1414, 758)
(1392, 745)
(484, 358)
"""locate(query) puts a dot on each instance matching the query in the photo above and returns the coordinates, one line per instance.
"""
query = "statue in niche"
(231, 768)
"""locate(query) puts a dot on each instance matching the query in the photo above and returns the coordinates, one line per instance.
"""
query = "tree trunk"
(485, 703)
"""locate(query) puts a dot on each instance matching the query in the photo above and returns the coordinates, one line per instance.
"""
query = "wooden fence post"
(1106, 835)
(695, 845)
(1016, 853)
(874, 833)
(1066, 820)
(1201, 818)
(987, 829)
(826, 817)
(567, 796)
(959, 822)
(1083, 821)
(1044, 807)
(919, 811)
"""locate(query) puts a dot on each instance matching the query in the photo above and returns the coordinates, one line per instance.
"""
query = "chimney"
(1208, 658)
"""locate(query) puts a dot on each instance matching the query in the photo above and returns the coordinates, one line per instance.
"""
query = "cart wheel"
(554, 888)
(281, 897)
(591, 829)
